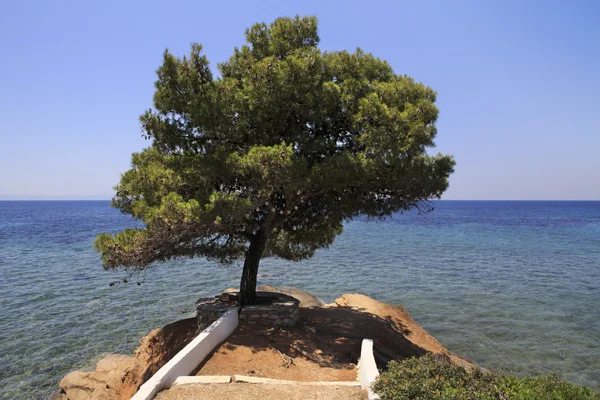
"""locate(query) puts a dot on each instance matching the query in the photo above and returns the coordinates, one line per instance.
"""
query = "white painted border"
(209, 379)
(190, 356)
(368, 371)
(203, 379)
(257, 380)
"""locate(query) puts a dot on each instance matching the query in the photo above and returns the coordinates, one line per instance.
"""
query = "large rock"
(402, 322)
(104, 383)
(306, 299)
(118, 377)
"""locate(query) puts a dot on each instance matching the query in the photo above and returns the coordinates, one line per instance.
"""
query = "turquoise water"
(510, 285)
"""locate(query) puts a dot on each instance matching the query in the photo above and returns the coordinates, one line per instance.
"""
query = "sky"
(518, 84)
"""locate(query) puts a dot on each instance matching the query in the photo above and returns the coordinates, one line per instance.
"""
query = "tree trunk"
(250, 272)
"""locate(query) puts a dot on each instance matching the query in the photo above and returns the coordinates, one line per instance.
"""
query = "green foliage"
(288, 142)
(426, 378)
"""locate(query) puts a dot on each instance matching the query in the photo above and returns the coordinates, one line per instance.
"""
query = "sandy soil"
(262, 352)
(326, 343)
(246, 391)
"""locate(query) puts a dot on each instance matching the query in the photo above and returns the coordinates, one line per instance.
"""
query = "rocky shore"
(352, 317)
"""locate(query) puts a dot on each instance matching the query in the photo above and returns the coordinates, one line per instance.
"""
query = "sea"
(511, 285)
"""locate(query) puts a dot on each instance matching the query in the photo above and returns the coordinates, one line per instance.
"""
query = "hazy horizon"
(100, 198)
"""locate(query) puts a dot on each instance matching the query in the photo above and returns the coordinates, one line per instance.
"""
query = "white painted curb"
(201, 380)
(368, 371)
(258, 380)
(190, 356)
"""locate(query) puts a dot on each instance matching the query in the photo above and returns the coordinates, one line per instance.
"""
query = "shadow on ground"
(327, 337)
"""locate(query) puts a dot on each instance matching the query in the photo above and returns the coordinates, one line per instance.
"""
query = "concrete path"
(247, 391)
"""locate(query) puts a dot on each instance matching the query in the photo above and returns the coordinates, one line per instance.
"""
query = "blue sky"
(518, 84)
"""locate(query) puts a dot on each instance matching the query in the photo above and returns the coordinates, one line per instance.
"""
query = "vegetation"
(271, 157)
(426, 378)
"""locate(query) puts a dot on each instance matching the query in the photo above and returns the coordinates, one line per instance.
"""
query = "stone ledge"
(281, 311)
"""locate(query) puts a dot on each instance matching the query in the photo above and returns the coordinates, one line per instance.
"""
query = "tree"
(271, 157)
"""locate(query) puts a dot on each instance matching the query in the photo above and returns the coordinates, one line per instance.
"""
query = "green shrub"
(547, 388)
(427, 378)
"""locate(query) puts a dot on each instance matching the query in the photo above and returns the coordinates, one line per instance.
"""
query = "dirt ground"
(269, 353)
(248, 391)
(325, 345)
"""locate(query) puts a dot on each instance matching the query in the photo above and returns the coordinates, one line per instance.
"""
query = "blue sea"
(512, 286)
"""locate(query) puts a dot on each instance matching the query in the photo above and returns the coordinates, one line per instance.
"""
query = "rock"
(401, 321)
(102, 384)
(118, 376)
(266, 288)
(306, 299)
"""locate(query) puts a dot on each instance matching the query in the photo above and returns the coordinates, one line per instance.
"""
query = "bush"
(427, 378)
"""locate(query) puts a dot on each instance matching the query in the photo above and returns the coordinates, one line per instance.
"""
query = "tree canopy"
(272, 155)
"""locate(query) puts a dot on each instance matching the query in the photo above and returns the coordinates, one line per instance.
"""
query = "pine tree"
(272, 156)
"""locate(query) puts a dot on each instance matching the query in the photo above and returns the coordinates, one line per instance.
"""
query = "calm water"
(509, 285)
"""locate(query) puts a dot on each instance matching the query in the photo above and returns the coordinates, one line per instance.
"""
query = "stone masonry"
(274, 309)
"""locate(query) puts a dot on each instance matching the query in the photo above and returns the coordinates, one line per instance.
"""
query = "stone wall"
(274, 309)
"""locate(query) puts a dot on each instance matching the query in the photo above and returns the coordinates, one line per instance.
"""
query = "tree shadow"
(329, 336)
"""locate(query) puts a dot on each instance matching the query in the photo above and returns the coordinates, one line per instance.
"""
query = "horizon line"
(108, 199)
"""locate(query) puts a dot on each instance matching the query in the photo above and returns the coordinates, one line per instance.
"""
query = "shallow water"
(510, 285)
